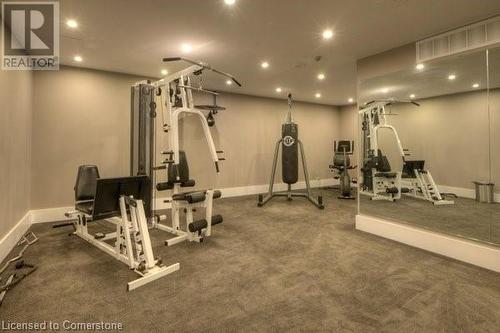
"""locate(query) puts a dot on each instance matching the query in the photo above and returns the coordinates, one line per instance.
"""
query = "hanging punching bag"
(290, 153)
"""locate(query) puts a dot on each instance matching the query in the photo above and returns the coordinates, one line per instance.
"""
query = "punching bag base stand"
(289, 160)
(346, 198)
(289, 194)
(317, 202)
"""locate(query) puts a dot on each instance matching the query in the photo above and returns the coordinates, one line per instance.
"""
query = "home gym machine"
(118, 201)
(342, 151)
(290, 143)
(379, 181)
(175, 96)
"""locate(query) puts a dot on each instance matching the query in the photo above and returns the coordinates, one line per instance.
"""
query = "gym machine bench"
(114, 200)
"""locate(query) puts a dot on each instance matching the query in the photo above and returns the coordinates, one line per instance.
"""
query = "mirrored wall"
(429, 145)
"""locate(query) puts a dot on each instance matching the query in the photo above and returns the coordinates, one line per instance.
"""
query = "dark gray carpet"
(285, 267)
(466, 218)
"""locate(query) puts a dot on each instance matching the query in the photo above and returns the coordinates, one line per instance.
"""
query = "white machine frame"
(132, 244)
(173, 113)
(180, 83)
(182, 233)
(422, 186)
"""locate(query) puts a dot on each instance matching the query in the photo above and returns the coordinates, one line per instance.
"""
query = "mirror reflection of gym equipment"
(453, 130)
(380, 182)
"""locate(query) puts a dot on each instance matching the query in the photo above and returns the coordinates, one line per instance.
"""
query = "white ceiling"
(133, 36)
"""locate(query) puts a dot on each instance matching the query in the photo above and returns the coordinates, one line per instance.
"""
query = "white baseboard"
(9, 241)
(470, 252)
(459, 191)
(50, 214)
(230, 192)
(462, 192)
(465, 192)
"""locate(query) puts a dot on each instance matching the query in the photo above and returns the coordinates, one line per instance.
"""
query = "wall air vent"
(464, 39)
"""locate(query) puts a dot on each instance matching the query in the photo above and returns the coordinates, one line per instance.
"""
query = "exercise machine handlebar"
(203, 66)
(387, 102)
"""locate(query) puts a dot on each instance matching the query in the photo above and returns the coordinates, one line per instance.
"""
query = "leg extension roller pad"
(202, 224)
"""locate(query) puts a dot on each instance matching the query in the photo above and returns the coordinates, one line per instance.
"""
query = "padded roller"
(392, 190)
(168, 185)
(202, 224)
(164, 186)
(189, 183)
(386, 175)
(190, 197)
(195, 197)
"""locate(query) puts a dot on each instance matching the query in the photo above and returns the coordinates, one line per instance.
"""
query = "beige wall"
(15, 149)
(82, 116)
(247, 132)
(349, 122)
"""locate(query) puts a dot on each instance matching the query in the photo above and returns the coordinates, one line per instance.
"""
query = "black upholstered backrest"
(344, 145)
(342, 149)
(181, 170)
(86, 182)
(383, 163)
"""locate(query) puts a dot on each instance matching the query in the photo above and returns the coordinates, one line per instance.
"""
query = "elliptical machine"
(342, 164)
(290, 143)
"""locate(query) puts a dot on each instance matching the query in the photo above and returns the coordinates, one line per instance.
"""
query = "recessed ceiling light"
(229, 2)
(278, 90)
(385, 90)
(318, 95)
(78, 58)
(72, 23)
(229, 82)
(321, 76)
(265, 64)
(452, 77)
(164, 72)
(475, 85)
(327, 34)
(420, 67)
(412, 96)
(186, 48)
(351, 100)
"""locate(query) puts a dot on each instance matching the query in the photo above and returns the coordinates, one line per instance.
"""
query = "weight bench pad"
(168, 185)
(194, 197)
(386, 174)
(190, 197)
(202, 224)
(85, 206)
